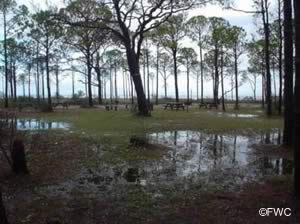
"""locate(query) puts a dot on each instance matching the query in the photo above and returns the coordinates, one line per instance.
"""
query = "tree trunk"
(23, 83)
(144, 69)
(157, 72)
(124, 84)
(297, 102)
(15, 83)
(202, 71)
(29, 82)
(222, 80)
(188, 82)
(116, 86)
(134, 69)
(148, 76)
(57, 83)
(5, 59)
(131, 85)
(110, 83)
(89, 76)
(274, 84)
(288, 74)
(73, 85)
(263, 88)
(197, 89)
(216, 79)
(280, 56)
(37, 74)
(11, 75)
(265, 16)
(254, 89)
(236, 74)
(3, 219)
(48, 78)
(43, 83)
(165, 82)
(99, 86)
(174, 52)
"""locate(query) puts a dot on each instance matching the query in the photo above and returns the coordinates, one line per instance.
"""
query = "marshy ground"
(201, 166)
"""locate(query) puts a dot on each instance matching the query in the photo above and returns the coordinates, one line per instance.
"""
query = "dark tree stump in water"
(138, 141)
(3, 219)
(18, 157)
(132, 174)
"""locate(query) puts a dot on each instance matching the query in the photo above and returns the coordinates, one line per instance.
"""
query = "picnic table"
(208, 105)
(64, 105)
(173, 106)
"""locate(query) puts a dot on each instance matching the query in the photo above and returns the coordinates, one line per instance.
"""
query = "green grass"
(119, 125)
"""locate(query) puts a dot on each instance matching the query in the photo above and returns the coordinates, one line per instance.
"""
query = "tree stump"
(18, 157)
(138, 141)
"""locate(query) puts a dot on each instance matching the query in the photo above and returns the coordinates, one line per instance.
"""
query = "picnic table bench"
(208, 105)
(64, 105)
(173, 106)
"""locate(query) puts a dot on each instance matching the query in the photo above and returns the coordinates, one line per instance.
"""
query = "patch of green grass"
(120, 124)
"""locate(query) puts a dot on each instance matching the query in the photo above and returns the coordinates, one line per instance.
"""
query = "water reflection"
(193, 160)
(196, 152)
(236, 115)
(37, 124)
(195, 157)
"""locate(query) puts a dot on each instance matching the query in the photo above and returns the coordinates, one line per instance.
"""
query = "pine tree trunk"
(288, 74)
(157, 72)
(148, 75)
(216, 75)
(15, 83)
(37, 74)
(236, 73)
(297, 102)
(5, 60)
(29, 82)
(188, 83)
(202, 72)
(265, 15)
(175, 74)
(48, 76)
(43, 84)
(116, 86)
(57, 83)
(134, 69)
(280, 56)
(222, 80)
(89, 77)
(73, 85)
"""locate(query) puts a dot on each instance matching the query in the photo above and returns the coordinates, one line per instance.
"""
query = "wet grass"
(118, 125)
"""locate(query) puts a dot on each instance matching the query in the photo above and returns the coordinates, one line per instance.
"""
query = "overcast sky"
(244, 20)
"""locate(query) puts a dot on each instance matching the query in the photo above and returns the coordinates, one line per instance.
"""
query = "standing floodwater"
(32, 124)
(190, 159)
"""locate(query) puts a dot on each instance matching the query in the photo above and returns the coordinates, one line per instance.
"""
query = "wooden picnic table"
(173, 106)
(208, 105)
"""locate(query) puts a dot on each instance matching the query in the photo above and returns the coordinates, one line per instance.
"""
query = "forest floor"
(89, 172)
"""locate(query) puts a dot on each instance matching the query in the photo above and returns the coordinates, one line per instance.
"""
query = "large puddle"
(193, 160)
(235, 115)
(29, 124)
